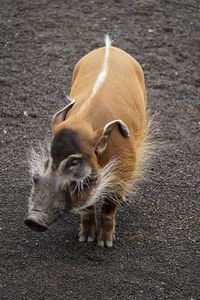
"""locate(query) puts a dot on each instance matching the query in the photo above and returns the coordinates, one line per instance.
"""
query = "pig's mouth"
(35, 221)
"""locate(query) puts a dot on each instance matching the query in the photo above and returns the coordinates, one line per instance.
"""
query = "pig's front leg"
(88, 225)
(107, 224)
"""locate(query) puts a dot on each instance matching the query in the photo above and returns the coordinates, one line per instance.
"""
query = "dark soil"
(156, 254)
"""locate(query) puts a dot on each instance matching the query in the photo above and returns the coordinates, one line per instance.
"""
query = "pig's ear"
(104, 134)
(61, 114)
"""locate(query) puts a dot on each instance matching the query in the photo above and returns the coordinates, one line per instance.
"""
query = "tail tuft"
(108, 41)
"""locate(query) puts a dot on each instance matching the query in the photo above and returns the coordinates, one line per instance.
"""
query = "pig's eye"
(36, 178)
(74, 162)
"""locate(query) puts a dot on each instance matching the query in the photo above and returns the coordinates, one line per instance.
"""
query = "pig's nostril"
(35, 223)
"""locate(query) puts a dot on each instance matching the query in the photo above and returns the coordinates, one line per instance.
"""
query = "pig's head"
(71, 177)
(47, 202)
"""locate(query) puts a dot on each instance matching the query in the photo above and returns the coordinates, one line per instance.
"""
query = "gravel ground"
(156, 254)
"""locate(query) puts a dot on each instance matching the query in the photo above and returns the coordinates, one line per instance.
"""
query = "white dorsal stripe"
(102, 75)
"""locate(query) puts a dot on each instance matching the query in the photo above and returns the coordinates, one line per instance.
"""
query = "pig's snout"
(35, 221)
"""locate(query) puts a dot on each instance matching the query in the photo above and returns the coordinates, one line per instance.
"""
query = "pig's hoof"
(106, 243)
(90, 239)
(84, 238)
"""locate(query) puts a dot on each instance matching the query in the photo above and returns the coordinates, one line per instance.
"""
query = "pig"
(100, 143)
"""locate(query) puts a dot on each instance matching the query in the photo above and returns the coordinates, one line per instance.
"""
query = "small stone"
(25, 114)
(137, 235)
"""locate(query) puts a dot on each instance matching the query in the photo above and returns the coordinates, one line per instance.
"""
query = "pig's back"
(121, 95)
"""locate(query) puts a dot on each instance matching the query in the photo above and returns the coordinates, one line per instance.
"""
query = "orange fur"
(121, 96)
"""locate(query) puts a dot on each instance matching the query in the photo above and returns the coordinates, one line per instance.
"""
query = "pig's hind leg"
(88, 225)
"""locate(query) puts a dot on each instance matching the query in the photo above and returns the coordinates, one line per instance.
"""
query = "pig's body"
(101, 137)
